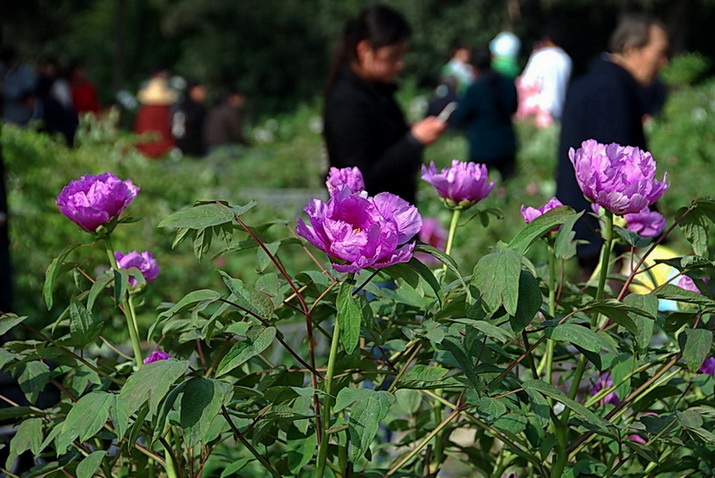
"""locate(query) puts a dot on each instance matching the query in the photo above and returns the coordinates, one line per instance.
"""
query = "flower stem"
(328, 404)
(563, 429)
(127, 306)
(456, 213)
(547, 361)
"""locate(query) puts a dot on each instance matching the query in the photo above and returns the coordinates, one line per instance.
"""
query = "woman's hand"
(428, 130)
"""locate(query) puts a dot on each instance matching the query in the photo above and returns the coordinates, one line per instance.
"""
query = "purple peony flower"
(708, 366)
(92, 201)
(637, 438)
(433, 234)
(619, 178)
(350, 177)
(687, 283)
(157, 355)
(462, 185)
(360, 230)
(530, 213)
(144, 261)
(605, 381)
(646, 223)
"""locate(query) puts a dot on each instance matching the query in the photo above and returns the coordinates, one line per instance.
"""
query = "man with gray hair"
(608, 104)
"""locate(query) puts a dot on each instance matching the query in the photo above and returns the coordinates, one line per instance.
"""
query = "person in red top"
(84, 94)
(154, 116)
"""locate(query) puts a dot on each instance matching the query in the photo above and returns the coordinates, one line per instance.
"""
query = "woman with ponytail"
(364, 125)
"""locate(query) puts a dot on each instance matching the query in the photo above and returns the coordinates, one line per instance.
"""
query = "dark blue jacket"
(485, 111)
(606, 104)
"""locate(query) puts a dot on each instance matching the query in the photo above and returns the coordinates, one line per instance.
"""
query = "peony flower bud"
(646, 223)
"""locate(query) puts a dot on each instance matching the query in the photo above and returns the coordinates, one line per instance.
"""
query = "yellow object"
(650, 274)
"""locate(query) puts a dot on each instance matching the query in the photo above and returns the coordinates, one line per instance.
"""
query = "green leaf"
(365, 415)
(466, 364)
(200, 404)
(530, 300)
(199, 217)
(497, 333)
(190, 299)
(540, 226)
(644, 323)
(490, 408)
(248, 297)
(673, 292)
(91, 463)
(99, 285)
(202, 242)
(697, 347)
(121, 284)
(695, 230)
(83, 328)
(617, 312)
(85, 419)
(421, 375)
(120, 417)
(33, 378)
(565, 245)
(556, 394)
(27, 437)
(51, 274)
(8, 321)
(581, 336)
(348, 396)
(633, 238)
(151, 383)
(244, 350)
(444, 258)
(349, 318)
(496, 275)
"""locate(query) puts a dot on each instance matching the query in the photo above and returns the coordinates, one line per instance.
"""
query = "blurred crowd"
(172, 114)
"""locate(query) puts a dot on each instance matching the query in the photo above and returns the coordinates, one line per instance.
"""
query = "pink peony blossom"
(618, 178)
(365, 232)
(92, 201)
(605, 381)
(708, 367)
(687, 283)
(530, 213)
(144, 261)
(646, 223)
(157, 355)
(462, 185)
(345, 177)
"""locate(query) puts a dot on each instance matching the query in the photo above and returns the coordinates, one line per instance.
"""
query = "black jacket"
(607, 105)
(365, 127)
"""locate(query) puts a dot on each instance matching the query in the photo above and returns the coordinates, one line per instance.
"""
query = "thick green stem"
(452, 229)
(563, 429)
(128, 307)
(328, 404)
(170, 467)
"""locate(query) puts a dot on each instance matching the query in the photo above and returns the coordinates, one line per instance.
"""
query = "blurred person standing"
(187, 122)
(505, 52)
(156, 99)
(84, 93)
(17, 81)
(542, 85)
(485, 111)
(54, 101)
(608, 104)
(457, 71)
(364, 126)
(224, 123)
